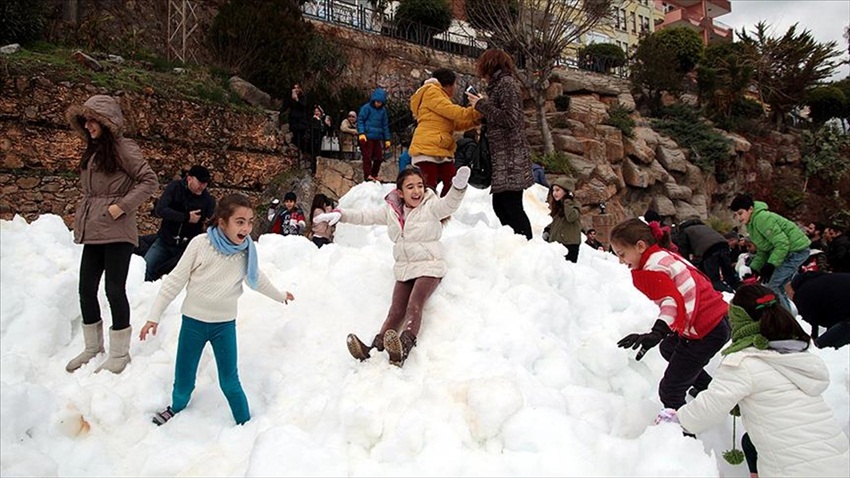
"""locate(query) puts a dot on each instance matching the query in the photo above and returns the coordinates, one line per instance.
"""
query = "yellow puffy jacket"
(437, 118)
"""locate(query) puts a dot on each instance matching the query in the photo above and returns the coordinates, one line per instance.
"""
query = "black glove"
(646, 341)
(766, 272)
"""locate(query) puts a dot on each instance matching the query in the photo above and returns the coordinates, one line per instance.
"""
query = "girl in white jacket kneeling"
(777, 383)
(413, 215)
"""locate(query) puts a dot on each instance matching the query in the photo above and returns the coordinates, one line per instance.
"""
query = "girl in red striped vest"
(692, 325)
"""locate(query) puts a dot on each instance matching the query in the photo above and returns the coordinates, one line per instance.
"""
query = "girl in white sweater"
(212, 269)
(777, 383)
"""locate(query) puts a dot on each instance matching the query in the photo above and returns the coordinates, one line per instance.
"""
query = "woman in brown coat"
(509, 150)
(115, 180)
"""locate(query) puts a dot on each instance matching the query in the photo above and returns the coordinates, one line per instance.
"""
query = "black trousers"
(686, 359)
(114, 259)
(509, 210)
(572, 252)
(717, 265)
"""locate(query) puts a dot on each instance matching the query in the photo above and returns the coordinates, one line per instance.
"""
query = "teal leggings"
(194, 336)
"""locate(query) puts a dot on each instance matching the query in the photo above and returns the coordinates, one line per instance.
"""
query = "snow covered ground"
(517, 371)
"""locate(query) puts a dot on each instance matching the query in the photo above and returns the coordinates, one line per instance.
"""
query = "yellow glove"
(387, 144)
(362, 138)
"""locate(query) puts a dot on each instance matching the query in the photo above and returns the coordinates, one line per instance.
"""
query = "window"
(634, 23)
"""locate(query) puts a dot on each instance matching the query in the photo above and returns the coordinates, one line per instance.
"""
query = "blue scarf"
(223, 245)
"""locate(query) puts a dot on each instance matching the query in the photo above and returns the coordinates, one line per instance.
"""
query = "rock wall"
(39, 154)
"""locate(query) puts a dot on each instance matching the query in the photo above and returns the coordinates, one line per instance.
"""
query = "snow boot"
(359, 350)
(163, 416)
(119, 351)
(93, 338)
(398, 347)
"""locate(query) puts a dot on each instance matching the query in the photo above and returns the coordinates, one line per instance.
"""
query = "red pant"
(438, 172)
(373, 156)
(409, 299)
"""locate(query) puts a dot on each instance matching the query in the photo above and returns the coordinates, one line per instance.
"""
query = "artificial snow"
(516, 371)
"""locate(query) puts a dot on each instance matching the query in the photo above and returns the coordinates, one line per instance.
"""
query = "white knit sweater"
(213, 283)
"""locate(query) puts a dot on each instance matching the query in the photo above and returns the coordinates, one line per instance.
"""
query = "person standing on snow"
(691, 326)
(565, 210)
(781, 246)
(115, 180)
(373, 133)
(212, 270)
(505, 132)
(433, 146)
(414, 218)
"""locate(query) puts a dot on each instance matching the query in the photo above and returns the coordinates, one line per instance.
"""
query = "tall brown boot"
(399, 346)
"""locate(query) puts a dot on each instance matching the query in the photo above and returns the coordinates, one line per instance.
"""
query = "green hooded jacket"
(566, 229)
(774, 236)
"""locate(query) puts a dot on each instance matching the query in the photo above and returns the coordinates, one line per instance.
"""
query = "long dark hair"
(104, 148)
(319, 202)
(775, 322)
(227, 206)
(556, 208)
(630, 231)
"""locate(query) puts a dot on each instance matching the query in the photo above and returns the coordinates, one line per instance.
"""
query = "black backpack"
(481, 165)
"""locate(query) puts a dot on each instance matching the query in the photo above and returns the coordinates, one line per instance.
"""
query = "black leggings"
(114, 258)
(508, 208)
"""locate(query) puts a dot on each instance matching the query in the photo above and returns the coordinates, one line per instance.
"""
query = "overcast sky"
(826, 19)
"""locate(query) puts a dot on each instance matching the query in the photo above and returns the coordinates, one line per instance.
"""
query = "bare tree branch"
(536, 33)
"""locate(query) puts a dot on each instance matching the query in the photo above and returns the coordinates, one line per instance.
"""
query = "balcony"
(713, 8)
(683, 18)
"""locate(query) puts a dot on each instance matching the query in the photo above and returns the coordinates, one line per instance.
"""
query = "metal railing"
(370, 20)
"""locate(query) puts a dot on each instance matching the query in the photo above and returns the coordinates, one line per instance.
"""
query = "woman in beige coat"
(115, 180)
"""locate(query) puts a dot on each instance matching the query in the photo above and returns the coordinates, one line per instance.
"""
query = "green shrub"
(826, 152)
(689, 130)
(557, 162)
(601, 57)
(22, 21)
(620, 116)
(562, 102)
(435, 15)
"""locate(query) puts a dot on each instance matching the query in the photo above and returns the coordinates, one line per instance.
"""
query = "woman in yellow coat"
(433, 147)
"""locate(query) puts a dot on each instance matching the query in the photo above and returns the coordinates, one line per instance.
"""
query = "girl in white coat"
(777, 384)
(413, 216)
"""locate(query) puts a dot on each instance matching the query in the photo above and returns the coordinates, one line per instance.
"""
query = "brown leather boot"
(398, 346)
(357, 348)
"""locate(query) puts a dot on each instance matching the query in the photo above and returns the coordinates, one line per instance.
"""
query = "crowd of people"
(207, 248)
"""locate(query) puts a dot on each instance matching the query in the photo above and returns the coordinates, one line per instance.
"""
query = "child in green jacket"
(566, 217)
(781, 246)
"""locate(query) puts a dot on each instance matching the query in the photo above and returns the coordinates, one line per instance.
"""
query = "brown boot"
(398, 347)
(357, 348)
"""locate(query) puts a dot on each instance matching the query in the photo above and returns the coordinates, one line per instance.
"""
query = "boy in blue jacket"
(373, 133)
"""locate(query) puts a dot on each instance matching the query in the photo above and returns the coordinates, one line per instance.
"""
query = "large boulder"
(684, 210)
(676, 191)
(565, 142)
(594, 150)
(635, 175)
(583, 168)
(670, 156)
(638, 150)
(663, 205)
(250, 93)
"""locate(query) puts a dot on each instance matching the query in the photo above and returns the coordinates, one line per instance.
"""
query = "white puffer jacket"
(417, 250)
(792, 428)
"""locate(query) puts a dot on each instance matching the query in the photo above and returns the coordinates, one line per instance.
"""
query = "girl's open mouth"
(241, 237)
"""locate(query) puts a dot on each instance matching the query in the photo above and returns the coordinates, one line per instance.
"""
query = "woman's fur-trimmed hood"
(102, 108)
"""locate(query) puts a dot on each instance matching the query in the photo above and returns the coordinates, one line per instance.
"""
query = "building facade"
(699, 15)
